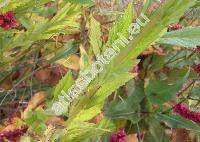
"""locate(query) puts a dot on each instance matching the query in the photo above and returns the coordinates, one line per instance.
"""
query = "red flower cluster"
(12, 136)
(197, 49)
(134, 69)
(184, 111)
(119, 136)
(8, 20)
(197, 68)
(176, 27)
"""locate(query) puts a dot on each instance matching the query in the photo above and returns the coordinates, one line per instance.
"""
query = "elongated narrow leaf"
(84, 61)
(89, 2)
(188, 37)
(95, 36)
(64, 84)
(175, 121)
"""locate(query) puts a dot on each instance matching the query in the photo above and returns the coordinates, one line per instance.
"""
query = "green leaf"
(155, 28)
(156, 131)
(177, 74)
(46, 29)
(64, 84)
(26, 22)
(82, 131)
(107, 123)
(36, 119)
(88, 2)
(128, 108)
(160, 92)
(108, 87)
(157, 62)
(97, 100)
(22, 6)
(48, 11)
(197, 4)
(187, 37)
(95, 36)
(84, 60)
(146, 5)
(195, 92)
(88, 114)
(174, 121)
(121, 25)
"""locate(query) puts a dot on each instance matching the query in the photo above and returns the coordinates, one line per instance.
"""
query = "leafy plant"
(53, 42)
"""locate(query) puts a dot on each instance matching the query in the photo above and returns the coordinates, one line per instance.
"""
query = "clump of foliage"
(149, 92)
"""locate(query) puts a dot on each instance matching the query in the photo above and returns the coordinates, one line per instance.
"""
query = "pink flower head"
(184, 111)
(176, 27)
(119, 136)
(135, 69)
(195, 116)
(197, 68)
(181, 109)
(13, 136)
(197, 49)
(8, 20)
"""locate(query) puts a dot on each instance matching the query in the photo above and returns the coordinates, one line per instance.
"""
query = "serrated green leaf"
(108, 87)
(64, 84)
(88, 114)
(22, 6)
(46, 29)
(121, 25)
(81, 131)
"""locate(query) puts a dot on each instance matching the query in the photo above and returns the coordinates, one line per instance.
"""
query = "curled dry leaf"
(51, 75)
(66, 38)
(180, 135)
(72, 62)
(157, 51)
(97, 118)
(6, 84)
(132, 138)
(55, 121)
(35, 102)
